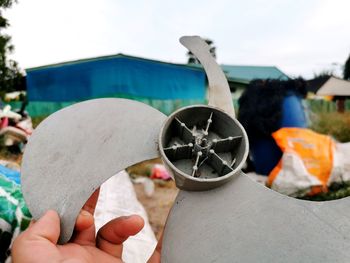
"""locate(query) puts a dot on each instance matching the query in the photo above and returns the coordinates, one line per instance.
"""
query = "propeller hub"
(203, 147)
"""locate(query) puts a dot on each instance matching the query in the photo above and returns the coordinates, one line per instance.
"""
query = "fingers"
(111, 236)
(155, 258)
(84, 221)
(38, 239)
(47, 227)
(84, 230)
(91, 202)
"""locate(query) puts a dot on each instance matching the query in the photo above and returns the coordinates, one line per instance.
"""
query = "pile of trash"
(310, 164)
(296, 160)
(15, 127)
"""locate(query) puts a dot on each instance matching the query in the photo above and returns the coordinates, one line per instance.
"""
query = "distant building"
(313, 85)
(166, 86)
(330, 88)
(240, 76)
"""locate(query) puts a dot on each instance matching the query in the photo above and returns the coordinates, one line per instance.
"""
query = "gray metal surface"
(203, 147)
(219, 90)
(243, 221)
(75, 150)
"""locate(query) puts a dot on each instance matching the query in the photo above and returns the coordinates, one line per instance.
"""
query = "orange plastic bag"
(314, 149)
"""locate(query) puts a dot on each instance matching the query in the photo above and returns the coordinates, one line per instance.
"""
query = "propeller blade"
(73, 151)
(243, 221)
(219, 90)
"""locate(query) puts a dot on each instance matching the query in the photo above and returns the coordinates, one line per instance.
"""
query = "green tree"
(193, 60)
(11, 78)
(324, 73)
(346, 73)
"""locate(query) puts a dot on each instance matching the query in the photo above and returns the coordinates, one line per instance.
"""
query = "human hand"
(39, 242)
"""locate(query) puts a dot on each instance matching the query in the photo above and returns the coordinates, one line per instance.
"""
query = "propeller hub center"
(202, 146)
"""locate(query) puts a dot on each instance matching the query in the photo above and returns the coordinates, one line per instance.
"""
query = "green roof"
(248, 73)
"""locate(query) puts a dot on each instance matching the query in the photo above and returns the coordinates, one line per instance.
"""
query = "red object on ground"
(159, 172)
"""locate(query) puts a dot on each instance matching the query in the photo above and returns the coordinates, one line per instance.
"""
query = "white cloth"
(118, 198)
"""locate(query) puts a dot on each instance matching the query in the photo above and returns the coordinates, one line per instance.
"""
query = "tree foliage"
(11, 77)
(325, 73)
(346, 73)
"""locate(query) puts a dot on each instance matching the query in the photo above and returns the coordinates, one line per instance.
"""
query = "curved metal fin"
(219, 90)
(243, 221)
(76, 149)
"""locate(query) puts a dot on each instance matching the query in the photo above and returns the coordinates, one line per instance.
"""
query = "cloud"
(298, 36)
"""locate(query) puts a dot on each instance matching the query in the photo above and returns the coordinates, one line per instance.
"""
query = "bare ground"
(159, 204)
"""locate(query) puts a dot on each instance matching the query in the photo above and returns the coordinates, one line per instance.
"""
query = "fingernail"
(85, 213)
(127, 217)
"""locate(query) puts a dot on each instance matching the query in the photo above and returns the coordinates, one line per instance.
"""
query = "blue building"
(165, 86)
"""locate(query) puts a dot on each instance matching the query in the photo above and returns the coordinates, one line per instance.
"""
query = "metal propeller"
(219, 90)
(73, 151)
(220, 215)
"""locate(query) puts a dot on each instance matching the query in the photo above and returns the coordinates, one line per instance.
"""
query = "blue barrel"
(265, 152)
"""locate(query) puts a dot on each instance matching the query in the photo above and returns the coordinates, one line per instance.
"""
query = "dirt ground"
(159, 204)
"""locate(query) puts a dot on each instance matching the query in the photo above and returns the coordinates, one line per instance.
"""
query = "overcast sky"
(300, 37)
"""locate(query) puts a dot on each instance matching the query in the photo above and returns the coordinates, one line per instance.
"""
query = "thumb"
(47, 227)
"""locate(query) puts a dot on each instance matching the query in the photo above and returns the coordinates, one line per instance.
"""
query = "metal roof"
(335, 87)
(248, 73)
(109, 57)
